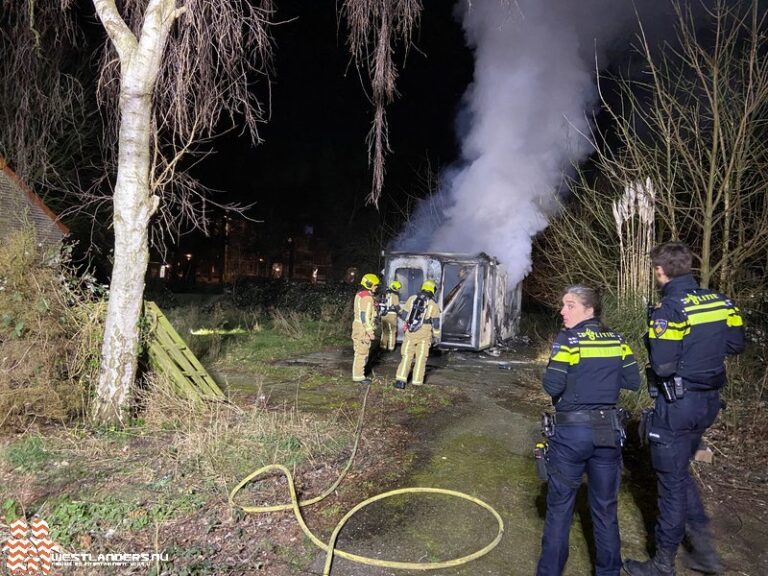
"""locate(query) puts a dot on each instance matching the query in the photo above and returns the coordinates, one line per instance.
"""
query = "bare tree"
(48, 115)
(176, 72)
(695, 129)
(374, 26)
(702, 139)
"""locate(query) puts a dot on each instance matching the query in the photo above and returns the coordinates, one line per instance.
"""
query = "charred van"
(478, 310)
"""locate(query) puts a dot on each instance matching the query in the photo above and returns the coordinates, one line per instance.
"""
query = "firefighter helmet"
(370, 281)
(429, 286)
(395, 285)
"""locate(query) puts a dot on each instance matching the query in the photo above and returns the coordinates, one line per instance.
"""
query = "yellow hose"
(330, 547)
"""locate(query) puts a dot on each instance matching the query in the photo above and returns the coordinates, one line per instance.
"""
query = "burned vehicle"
(478, 309)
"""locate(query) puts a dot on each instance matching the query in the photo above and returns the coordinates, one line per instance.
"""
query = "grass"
(50, 327)
(28, 455)
(174, 462)
(72, 518)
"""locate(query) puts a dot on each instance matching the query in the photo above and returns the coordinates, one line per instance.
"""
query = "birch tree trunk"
(134, 203)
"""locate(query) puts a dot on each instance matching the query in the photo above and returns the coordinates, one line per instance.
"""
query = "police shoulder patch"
(555, 350)
(659, 327)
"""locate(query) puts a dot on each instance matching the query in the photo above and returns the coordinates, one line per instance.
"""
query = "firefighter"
(421, 329)
(690, 332)
(364, 326)
(588, 365)
(390, 308)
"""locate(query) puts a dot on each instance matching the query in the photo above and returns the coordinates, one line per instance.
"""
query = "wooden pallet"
(170, 356)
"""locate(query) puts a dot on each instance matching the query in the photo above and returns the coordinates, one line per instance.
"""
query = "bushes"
(319, 301)
(50, 331)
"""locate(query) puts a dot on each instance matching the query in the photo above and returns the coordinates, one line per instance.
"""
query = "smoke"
(525, 122)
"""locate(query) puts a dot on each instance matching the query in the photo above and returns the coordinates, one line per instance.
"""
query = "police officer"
(588, 366)
(363, 326)
(391, 306)
(690, 333)
(421, 315)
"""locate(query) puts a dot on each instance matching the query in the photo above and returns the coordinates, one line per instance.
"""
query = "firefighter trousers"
(415, 351)
(361, 345)
(389, 332)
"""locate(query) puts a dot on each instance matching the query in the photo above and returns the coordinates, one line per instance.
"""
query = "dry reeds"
(633, 214)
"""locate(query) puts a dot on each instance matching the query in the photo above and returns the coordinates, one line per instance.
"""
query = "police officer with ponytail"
(588, 365)
(690, 333)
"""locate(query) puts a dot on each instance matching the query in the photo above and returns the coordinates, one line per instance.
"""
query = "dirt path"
(482, 445)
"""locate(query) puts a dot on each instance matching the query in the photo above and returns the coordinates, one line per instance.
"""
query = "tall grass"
(50, 334)
(223, 442)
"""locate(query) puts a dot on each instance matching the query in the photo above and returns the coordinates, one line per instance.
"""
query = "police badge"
(659, 327)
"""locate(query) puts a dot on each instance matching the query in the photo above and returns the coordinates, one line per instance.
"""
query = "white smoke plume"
(527, 118)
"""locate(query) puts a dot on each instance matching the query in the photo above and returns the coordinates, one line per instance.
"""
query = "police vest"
(595, 359)
(697, 336)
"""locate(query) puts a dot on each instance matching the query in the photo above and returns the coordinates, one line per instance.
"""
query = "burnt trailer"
(478, 309)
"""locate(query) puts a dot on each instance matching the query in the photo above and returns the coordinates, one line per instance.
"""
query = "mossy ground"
(162, 483)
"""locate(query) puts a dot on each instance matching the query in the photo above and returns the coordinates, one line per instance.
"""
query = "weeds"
(71, 518)
(50, 332)
(28, 455)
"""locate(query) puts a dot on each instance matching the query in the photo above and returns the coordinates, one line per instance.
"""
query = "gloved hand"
(369, 336)
(435, 341)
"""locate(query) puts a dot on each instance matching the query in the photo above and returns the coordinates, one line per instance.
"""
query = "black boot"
(662, 564)
(702, 556)
(399, 384)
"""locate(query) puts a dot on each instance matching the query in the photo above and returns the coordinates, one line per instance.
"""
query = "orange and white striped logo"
(28, 550)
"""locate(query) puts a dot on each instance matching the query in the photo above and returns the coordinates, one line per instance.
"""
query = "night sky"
(311, 170)
(312, 167)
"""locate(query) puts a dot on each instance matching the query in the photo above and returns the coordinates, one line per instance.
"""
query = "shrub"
(50, 332)
(318, 301)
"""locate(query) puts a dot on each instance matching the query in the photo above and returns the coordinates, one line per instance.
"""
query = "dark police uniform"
(588, 366)
(690, 333)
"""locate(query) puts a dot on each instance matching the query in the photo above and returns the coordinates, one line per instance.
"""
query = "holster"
(540, 455)
(652, 381)
(621, 424)
(547, 424)
(646, 420)
(671, 388)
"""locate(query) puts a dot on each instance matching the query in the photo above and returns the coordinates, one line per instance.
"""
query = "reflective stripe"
(591, 349)
(674, 335)
(599, 342)
(707, 317)
(567, 355)
(707, 306)
(603, 352)
(674, 331)
(734, 319)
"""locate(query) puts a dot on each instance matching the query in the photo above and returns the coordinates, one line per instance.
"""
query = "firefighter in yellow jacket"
(421, 315)
(364, 326)
(390, 308)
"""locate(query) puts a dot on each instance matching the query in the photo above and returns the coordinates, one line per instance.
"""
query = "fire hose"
(330, 547)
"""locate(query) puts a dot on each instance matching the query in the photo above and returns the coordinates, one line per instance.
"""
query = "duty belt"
(586, 417)
(604, 424)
